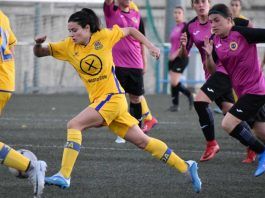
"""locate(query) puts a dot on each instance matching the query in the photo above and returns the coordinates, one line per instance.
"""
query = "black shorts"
(178, 64)
(260, 117)
(131, 80)
(219, 89)
(249, 107)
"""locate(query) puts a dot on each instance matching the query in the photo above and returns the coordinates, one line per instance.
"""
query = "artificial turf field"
(105, 169)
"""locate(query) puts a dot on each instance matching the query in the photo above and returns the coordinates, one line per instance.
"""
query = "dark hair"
(221, 9)
(85, 17)
(179, 7)
(192, 1)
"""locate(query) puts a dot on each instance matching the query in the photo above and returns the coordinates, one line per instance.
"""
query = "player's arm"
(252, 35)
(155, 52)
(210, 63)
(183, 52)
(39, 49)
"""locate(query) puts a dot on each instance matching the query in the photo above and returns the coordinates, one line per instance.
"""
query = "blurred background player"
(177, 64)
(236, 8)
(243, 68)
(108, 105)
(197, 30)
(8, 156)
(130, 59)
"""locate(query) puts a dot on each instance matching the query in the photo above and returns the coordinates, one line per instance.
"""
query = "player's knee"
(226, 125)
(73, 124)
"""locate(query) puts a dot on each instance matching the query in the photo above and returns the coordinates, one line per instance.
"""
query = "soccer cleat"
(212, 148)
(149, 124)
(173, 108)
(120, 140)
(251, 156)
(36, 176)
(261, 167)
(193, 173)
(58, 180)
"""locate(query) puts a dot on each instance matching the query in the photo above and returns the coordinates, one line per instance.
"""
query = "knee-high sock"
(136, 112)
(175, 94)
(71, 151)
(145, 109)
(183, 89)
(13, 159)
(206, 119)
(242, 132)
(159, 150)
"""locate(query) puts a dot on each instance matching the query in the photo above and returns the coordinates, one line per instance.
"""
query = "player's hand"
(184, 39)
(40, 39)
(154, 51)
(208, 46)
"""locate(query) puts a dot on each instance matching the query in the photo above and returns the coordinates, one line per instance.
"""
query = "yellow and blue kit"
(94, 64)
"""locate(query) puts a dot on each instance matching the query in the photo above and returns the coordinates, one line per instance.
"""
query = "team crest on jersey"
(233, 46)
(98, 45)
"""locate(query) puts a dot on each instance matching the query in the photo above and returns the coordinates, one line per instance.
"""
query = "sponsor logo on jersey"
(218, 45)
(233, 46)
(197, 32)
(91, 65)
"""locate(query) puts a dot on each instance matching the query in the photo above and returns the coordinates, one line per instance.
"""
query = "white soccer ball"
(28, 154)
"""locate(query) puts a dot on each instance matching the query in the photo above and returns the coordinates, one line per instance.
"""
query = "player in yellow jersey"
(89, 50)
(8, 156)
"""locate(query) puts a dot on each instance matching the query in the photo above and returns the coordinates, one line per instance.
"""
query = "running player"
(236, 8)
(89, 50)
(177, 64)
(130, 59)
(197, 29)
(8, 156)
(235, 48)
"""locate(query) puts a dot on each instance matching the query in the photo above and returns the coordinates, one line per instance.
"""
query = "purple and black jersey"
(175, 37)
(196, 33)
(238, 54)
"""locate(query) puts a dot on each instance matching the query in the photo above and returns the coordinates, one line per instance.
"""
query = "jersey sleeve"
(114, 35)
(141, 26)
(58, 50)
(189, 38)
(241, 22)
(252, 35)
(108, 9)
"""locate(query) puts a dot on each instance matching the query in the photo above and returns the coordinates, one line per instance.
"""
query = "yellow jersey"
(7, 63)
(93, 62)
(133, 6)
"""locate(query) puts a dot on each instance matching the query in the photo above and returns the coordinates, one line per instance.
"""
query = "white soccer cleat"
(120, 140)
(37, 176)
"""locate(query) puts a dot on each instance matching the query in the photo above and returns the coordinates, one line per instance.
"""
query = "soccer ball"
(28, 154)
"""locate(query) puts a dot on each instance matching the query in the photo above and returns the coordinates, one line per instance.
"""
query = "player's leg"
(13, 159)
(161, 151)
(174, 81)
(149, 120)
(234, 123)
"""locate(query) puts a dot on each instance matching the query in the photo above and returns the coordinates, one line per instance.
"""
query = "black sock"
(184, 90)
(175, 94)
(206, 119)
(242, 132)
(136, 111)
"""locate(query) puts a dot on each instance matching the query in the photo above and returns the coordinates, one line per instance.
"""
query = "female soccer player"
(130, 59)
(235, 48)
(177, 64)
(8, 156)
(89, 50)
(197, 29)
